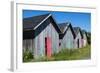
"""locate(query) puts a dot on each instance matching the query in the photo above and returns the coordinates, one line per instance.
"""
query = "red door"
(48, 47)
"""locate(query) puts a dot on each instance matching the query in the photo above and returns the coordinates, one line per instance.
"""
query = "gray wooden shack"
(41, 35)
(67, 36)
(78, 43)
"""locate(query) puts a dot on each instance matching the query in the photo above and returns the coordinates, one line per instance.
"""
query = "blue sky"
(82, 20)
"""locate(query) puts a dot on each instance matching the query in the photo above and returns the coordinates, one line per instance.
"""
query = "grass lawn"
(65, 54)
(76, 54)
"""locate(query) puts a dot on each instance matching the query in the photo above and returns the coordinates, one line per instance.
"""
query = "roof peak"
(32, 22)
(76, 28)
(63, 26)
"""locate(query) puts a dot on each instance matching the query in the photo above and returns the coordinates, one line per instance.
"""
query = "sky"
(77, 19)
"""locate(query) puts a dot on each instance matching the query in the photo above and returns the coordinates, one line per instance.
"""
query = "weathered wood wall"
(68, 40)
(37, 45)
(78, 37)
(84, 40)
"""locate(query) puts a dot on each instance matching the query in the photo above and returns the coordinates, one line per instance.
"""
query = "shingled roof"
(37, 24)
(63, 26)
(84, 32)
(32, 22)
(77, 30)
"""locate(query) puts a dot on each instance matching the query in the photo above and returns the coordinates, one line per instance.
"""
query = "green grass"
(66, 54)
(75, 54)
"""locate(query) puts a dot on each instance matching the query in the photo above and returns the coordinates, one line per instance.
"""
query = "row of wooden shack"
(43, 36)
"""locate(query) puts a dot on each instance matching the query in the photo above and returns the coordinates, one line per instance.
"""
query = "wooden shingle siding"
(84, 42)
(84, 39)
(68, 40)
(39, 46)
(55, 40)
(27, 44)
(67, 36)
(78, 39)
(24, 45)
(49, 31)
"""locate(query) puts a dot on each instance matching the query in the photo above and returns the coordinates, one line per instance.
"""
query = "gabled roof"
(65, 29)
(56, 25)
(32, 22)
(63, 26)
(84, 32)
(77, 30)
(37, 24)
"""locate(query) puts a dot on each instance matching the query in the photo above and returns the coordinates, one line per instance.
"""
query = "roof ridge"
(43, 20)
(65, 26)
(37, 16)
(34, 19)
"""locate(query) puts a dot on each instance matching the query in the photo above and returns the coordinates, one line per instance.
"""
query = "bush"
(27, 56)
